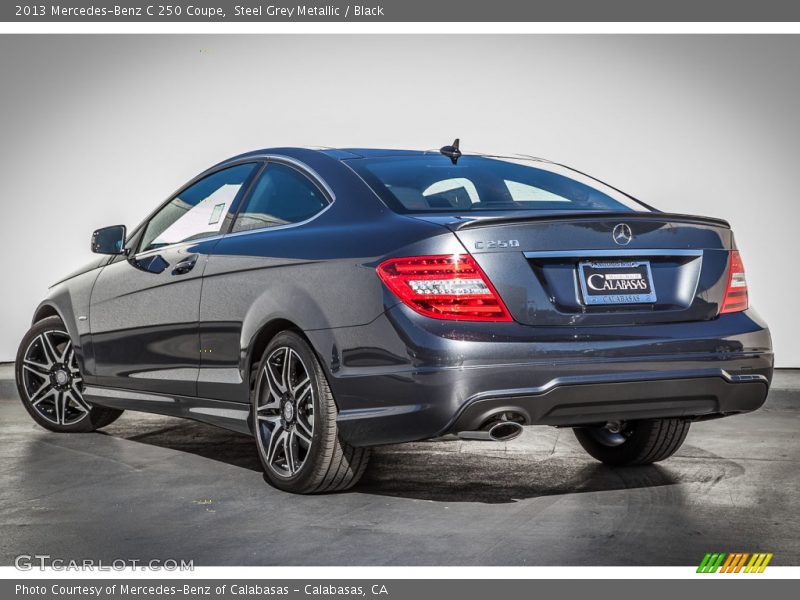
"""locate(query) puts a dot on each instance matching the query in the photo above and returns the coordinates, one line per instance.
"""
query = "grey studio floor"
(151, 487)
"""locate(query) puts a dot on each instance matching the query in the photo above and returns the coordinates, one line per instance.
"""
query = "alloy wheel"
(52, 379)
(285, 412)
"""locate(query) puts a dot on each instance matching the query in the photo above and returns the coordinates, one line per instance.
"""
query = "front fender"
(69, 300)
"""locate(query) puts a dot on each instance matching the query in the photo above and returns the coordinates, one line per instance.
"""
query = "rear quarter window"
(282, 195)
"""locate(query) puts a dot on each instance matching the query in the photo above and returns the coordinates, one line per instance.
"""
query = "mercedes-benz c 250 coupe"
(326, 301)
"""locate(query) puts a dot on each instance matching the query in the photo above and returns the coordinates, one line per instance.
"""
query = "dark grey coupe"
(327, 301)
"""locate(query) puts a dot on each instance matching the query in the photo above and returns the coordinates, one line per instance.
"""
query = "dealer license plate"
(616, 282)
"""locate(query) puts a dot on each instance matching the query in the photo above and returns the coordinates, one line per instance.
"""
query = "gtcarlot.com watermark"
(30, 562)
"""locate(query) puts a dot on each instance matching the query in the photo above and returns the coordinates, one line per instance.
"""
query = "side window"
(282, 195)
(198, 211)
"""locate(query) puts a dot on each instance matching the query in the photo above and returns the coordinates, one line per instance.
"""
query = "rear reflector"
(448, 286)
(736, 292)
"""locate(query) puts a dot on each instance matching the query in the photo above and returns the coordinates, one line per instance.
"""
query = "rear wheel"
(50, 382)
(294, 416)
(635, 442)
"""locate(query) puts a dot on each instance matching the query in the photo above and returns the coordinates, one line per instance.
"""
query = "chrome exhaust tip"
(497, 431)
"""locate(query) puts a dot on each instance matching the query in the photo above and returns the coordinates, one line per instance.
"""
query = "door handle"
(184, 266)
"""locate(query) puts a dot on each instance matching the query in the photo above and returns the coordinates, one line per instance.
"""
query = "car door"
(145, 306)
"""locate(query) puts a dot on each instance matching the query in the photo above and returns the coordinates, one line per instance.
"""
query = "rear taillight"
(444, 287)
(736, 292)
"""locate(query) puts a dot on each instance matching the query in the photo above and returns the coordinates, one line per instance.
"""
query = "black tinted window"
(282, 195)
(431, 182)
(198, 211)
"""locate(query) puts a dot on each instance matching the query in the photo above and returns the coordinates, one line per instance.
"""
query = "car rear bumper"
(404, 377)
(570, 404)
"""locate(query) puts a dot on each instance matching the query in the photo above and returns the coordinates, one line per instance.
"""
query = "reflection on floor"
(150, 487)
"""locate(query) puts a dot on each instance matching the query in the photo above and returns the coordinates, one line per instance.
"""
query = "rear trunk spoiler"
(457, 223)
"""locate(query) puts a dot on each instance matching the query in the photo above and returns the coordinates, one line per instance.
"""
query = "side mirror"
(109, 240)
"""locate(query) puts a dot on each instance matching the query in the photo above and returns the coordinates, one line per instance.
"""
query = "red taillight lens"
(444, 287)
(736, 292)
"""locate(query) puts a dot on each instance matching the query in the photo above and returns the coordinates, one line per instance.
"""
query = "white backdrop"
(97, 130)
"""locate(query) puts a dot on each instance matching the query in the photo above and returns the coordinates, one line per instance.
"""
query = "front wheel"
(635, 442)
(50, 382)
(294, 421)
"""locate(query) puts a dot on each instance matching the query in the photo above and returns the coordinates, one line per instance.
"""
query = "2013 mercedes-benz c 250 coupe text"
(326, 301)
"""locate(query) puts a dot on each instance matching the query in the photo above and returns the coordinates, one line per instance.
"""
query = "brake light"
(444, 287)
(736, 293)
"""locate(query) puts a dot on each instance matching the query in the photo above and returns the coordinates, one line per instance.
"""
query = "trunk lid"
(540, 264)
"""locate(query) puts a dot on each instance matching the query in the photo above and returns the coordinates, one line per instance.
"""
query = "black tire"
(328, 464)
(49, 408)
(639, 442)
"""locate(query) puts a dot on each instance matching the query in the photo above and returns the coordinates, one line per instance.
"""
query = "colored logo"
(736, 562)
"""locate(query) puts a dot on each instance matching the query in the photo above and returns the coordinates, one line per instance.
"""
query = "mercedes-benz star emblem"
(622, 234)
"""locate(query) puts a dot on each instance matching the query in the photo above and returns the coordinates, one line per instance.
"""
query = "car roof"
(299, 152)
(357, 153)
(351, 153)
(340, 153)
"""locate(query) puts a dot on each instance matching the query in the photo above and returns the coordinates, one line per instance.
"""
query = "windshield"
(432, 183)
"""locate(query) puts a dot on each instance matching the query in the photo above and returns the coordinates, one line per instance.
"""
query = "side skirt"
(228, 415)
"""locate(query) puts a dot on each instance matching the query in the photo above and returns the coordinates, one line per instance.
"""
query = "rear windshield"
(432, 183)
